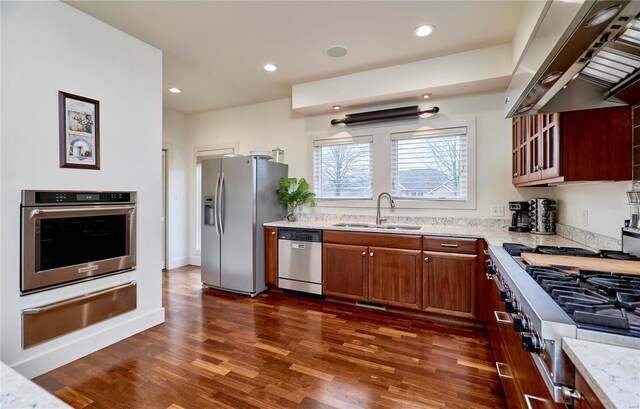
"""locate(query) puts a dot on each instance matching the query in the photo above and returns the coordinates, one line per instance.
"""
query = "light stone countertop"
(612, 372)
(493, 236)
(17, 392)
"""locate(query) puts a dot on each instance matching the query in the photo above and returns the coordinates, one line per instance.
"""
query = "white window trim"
(382, 162)
(199, 154)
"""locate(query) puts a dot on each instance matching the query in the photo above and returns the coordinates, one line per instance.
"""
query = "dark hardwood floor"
(220, 350)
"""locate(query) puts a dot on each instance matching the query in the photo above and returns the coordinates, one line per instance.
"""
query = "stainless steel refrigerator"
(239, 195)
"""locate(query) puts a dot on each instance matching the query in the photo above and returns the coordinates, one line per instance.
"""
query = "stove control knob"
(505, 295)
(491, 267)
(531, 343)
(511, 305)
(520, 323)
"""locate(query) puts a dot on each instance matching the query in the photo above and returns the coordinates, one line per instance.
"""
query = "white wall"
(46, 47)
(267, 125)
(605, 203)
(174, 140)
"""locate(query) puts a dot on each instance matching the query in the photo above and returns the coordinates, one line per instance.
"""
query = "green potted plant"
(292, 194)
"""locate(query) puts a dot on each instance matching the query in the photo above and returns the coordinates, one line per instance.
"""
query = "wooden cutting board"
(586, 263)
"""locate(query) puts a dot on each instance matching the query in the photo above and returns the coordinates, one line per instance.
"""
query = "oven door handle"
(36, 212)
(38, 310)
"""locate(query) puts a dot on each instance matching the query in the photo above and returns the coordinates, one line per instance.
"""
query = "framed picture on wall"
(79, 119)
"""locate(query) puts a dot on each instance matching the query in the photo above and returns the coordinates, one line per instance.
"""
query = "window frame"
(382, 162)
(352, 139)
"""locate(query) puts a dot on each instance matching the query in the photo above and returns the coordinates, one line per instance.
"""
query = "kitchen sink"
(379, 226)
(396, 227)
(356, 225)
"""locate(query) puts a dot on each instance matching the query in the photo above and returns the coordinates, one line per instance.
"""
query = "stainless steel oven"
(69, 236)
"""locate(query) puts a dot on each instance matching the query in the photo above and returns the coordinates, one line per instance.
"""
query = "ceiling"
(215, 50)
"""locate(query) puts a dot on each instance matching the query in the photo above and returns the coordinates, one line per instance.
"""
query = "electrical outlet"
(497, 211)
(585, 218)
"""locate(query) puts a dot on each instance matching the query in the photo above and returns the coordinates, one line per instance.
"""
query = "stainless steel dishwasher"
(300, 260)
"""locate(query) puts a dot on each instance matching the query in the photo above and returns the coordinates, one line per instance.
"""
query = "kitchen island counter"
(613, 372)
(19, 392)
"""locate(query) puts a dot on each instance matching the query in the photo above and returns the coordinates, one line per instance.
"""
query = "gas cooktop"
(515, 249)
(595, 300)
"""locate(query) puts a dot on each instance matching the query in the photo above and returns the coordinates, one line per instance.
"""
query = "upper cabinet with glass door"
(589, 145)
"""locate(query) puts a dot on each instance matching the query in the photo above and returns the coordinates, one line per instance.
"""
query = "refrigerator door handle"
(216, 204)
(220, 205)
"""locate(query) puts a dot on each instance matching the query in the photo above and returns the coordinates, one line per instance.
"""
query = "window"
(429, 164)
(343, 168)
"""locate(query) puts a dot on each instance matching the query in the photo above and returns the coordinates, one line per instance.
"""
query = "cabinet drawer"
(450, 244)
(509, 387)
(389, 240)
(43, 323)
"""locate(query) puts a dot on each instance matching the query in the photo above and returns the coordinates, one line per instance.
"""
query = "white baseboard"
(194, 260)
(50, 360)
(180, 262)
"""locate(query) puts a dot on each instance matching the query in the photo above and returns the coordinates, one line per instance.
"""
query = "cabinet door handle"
(426, 259)
(272, 233)
(529, 398)
(504, 320)
(449, 245)
(364, 253)
(371, 254)
(500, 374)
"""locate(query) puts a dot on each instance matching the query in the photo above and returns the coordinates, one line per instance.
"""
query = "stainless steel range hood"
(591, 61)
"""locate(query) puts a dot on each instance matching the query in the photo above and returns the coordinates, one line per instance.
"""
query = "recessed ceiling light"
(426, 96)
(175, 90)
(270, 67)
(336, 107)
(337, 51)
(425, 30)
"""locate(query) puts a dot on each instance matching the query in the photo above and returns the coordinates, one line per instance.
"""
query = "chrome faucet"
(379, 219)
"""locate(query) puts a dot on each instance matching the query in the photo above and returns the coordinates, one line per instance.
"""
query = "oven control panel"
(78, 197)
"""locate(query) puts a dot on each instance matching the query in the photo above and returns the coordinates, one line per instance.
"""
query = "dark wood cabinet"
(448, 282)
(271, 256)
(345, 270)
(395, 277)
(449, 275)
(520, 149)
(522, 384)
(588, 399)
(575, 146)
(549, 150)
(431, 273)
(380, 268)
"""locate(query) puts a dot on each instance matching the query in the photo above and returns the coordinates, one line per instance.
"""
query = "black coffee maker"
(520, 218)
